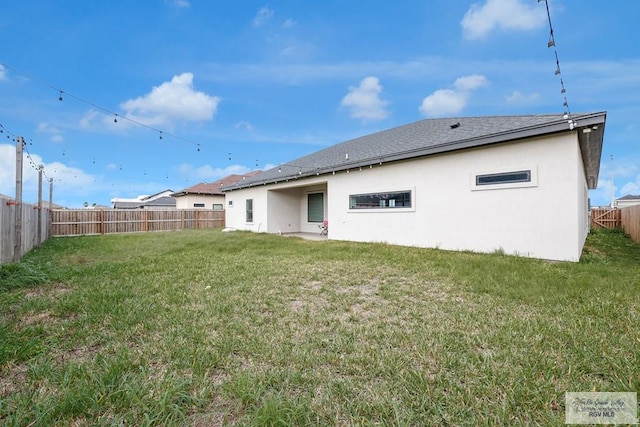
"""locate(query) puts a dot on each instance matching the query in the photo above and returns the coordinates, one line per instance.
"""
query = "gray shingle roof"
(213, 188)
(431, 136)
(629, 197)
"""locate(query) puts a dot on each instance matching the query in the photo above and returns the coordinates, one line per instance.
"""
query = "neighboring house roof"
(157, 195)
(433, 136)
(214, 188)
(161, 201)
(629, 197)
(145, 200)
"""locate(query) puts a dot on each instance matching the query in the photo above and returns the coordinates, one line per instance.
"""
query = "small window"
(391, 200)
(230, 203)
(198, 205)
(315, 207)
(217, 206)
(504, 178)
(249, 212)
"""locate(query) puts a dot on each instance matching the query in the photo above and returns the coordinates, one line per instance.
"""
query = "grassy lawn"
(208, 328)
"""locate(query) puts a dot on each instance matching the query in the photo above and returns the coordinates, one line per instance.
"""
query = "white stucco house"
(517, 184)
(626, 201)
(207, 195)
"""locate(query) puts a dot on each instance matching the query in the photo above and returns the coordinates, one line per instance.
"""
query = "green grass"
(208, 328)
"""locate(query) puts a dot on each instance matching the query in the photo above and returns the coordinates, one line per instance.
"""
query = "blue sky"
(236, 86)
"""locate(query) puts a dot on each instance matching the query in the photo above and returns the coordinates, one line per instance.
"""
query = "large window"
(390, 200)
(315, 207)
(218, 206)
(249, 212)
(504, 178)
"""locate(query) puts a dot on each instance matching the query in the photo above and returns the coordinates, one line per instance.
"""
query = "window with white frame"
(217, 206)
(385, 200)
(515, 177)
(198, 205)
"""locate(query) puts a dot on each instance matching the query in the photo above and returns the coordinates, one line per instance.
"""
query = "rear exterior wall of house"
(527, 198)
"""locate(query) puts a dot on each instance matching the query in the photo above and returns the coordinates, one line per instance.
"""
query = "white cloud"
(67, 179)
(7, 169)
(244, 125)
(171, 102)
(518, 97)
(625, 171)
(363, 101)
(631, 187)
(56, 133)
(445, 102)
(289, 23)
(480, 20)
(469, 83)
(262, 16)
(3, 74)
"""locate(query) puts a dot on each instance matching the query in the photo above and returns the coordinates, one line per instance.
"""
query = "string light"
(62, 94)
(116, 116)
(563, 90)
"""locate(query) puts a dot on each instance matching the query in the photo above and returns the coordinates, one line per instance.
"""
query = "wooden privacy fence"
(65, 222)
(30, 234)
(630, 221)
(605, 218)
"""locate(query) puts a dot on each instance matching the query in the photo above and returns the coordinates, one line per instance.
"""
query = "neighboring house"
(626, 201)
(513, 184)
(207, 195)
(158, 201)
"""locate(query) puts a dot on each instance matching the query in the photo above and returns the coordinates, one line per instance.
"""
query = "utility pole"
(612, 185)
(50, 207)
(17, 248)
(40, 168)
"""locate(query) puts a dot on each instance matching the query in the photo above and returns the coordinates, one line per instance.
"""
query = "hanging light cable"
(558, 71)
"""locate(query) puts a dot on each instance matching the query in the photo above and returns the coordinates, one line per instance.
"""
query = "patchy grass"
(208, 328)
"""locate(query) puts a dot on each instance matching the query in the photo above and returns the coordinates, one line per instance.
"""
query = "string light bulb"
(60, 96)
